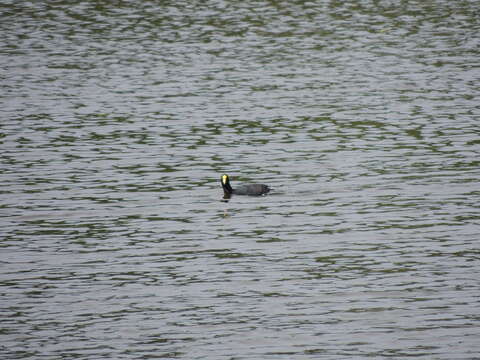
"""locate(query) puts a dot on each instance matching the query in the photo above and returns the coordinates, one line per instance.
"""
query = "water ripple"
(118, 120)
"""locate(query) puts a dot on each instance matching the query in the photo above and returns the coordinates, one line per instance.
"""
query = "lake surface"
(118, 119)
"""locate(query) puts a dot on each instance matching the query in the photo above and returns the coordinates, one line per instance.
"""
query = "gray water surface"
(118, 119)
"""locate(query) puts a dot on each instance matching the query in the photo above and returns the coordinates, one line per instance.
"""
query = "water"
(118, 120)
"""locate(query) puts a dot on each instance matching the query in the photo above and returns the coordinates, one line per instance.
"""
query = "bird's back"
(251, 189)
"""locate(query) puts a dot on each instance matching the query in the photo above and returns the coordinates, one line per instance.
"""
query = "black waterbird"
(247, 189)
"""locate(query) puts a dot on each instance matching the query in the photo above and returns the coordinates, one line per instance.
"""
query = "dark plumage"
(248, 189)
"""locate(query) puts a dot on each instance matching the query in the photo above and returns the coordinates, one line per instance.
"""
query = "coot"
(247, 189)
